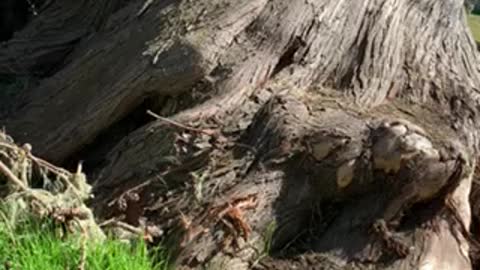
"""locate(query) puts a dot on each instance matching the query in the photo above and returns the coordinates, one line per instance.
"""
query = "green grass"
(474, 23)
(34, 247)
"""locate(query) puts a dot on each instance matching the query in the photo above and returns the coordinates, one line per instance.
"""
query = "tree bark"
(40, 48)
(350, 127)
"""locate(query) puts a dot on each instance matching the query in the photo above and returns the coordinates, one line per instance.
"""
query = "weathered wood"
(322, 117)
(386, 61)
(42, 45)
(153, 63)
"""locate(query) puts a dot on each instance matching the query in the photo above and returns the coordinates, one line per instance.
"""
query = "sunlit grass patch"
(34, 246)
(474, 23)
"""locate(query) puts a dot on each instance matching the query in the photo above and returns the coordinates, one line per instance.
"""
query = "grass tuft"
(34, 246)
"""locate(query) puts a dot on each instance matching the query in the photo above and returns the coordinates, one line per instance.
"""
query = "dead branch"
(13, 179)
(209, 132)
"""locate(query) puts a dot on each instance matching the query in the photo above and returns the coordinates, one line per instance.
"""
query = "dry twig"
(13, 179)
(209, 132)
(148, 233)
(144, 8)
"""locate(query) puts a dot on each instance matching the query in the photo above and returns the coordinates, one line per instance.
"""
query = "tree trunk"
(56, 26)
(332, 134)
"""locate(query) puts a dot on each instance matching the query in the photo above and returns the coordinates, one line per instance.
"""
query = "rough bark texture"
(56, 26)
(350, 127)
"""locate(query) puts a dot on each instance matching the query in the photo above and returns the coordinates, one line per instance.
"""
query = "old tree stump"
(325, 134)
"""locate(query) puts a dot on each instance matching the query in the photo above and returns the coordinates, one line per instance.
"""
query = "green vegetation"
(33, 246)
(474, 23)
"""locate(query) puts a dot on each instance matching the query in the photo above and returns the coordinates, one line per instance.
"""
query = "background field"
(474, 22)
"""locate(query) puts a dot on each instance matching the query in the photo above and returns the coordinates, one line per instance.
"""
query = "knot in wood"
(398, 141)
(321, 147)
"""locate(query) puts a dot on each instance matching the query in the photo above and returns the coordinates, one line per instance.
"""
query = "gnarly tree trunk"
(348, 126)
(56, 26)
